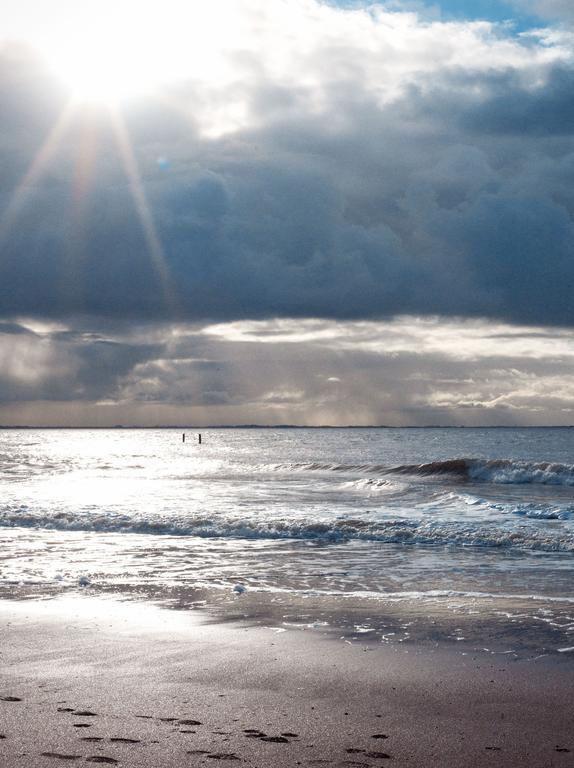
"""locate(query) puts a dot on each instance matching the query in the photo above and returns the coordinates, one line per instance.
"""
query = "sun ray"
(77, 242)
(85, 161)
(153, 241)
(35, 171)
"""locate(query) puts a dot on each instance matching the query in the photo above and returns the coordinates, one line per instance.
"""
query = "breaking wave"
(500, 471)
(391, 531)
(503, 471)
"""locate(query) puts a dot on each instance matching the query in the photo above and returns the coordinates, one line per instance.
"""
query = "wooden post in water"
(183, 438)
(200, 438)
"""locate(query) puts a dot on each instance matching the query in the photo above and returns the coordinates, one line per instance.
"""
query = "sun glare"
(91, 80)
(105, 58)
(109, 51)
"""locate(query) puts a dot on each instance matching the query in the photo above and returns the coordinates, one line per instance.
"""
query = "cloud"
(383, 165)
(61, 365)
(515, 110)
(553, 9)
(256, 240)
(405, 371)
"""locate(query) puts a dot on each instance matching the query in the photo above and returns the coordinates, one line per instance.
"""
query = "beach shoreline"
(175, 688)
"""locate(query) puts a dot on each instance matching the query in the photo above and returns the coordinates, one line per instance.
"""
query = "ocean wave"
(421, 532)
(536, 512)
(501, 471)
(372, 485)
(498, 471)
(317, 466)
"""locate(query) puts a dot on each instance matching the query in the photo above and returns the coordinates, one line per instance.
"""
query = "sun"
(105, 56)
(189, 57)
(112, 50)
(88, 81)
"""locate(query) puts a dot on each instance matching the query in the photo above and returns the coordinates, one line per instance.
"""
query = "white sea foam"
(405, 531)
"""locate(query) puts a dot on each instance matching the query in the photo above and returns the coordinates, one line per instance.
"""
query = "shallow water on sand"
(459, 517)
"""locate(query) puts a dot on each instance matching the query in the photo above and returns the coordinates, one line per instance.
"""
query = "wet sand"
(96, 681)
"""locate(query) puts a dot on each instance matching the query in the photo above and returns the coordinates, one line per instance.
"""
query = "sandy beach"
(99, 681)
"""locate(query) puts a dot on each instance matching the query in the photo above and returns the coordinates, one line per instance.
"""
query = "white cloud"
(226, 49)
(457, 339)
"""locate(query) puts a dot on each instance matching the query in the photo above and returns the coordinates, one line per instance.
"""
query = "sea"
(373, 533)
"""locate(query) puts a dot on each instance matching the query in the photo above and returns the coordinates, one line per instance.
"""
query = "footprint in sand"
(65, 709)
(275, 739)
(561, 749)
(378, 755)
(91, 738)
(187, 722)
(122, 740)
(84, 713)
(60, 756)
(10, 698)
(82, 725)
(290, 735)
(224, 756)
(379, 736)
(101, 759)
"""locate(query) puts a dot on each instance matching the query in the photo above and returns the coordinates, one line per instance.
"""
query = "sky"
(286, 211)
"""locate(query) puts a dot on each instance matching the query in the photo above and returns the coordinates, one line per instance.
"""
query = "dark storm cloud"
(454, 199)
(14, 329)
(511, 108)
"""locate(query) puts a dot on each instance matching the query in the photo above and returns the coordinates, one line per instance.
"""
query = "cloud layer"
(337, 163)
(404, 371)
(313, 215)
